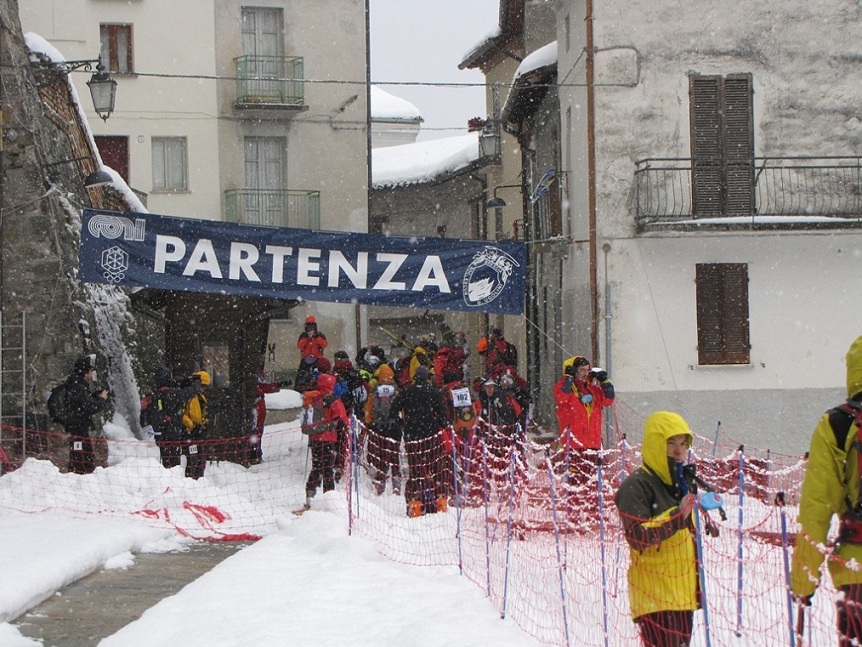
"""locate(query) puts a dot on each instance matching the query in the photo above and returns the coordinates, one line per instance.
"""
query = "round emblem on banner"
(487, 275)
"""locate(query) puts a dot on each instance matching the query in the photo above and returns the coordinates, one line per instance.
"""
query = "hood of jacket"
(326, 383)
(854, 368)
(385, 374)
(660, 426)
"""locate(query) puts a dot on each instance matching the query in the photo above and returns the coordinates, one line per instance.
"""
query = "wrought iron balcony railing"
(269, 81)
(270, 208)
(769, 191)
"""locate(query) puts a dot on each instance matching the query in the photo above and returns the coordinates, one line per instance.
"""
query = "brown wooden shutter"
(722, 145)
(706, 149)
(722, 313)
(739, 145)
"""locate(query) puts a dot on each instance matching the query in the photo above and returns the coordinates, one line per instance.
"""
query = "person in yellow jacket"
(195, 424)
(655, 507)
(831, 487)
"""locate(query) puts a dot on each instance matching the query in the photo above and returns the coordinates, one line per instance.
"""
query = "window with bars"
(170, 167)
(722, 144)
(116, 48)
(722, 313)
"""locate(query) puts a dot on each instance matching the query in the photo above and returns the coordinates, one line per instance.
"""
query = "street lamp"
(496, 203)
(103, 89)
(93, 180)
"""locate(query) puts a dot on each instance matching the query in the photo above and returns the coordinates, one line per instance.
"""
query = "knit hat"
(310, 320)
(82, 366)
(422, 374)
(163, 376)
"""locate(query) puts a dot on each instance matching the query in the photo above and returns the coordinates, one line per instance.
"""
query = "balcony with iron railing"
(270, 82)
(760, 192)
(273, 208)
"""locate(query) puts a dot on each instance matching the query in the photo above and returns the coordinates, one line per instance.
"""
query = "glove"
(608, 388)
(601, 376)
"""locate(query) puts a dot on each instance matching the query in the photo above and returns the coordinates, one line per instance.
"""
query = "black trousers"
(323, 459)
(82, 457)
(849, 607)
(666, 628)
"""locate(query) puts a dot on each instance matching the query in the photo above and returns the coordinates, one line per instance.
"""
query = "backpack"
(57, 406)
(313, 421)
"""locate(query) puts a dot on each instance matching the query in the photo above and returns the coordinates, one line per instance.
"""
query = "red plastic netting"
(534, 528)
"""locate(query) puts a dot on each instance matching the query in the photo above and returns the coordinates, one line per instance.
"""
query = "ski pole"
(779, 501)
(715, 440)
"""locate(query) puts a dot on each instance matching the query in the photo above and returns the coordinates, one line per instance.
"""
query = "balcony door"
(722, 145)
(265, 173)
(263, 48)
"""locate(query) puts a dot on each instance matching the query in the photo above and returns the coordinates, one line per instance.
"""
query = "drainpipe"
(591, 183)
(606, 363)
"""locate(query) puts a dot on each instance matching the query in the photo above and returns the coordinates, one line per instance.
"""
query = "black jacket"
(81, 404)
(423, 409)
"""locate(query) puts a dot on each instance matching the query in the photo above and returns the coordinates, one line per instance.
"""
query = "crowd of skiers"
(423, 398)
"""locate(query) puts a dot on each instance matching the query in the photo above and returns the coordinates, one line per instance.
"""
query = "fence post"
(779, 501)
(741, 486)
(602, 548)
(560, 564)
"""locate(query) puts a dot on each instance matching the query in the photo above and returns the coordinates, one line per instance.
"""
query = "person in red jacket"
(323, 417)
(311, 344)
(581, 395)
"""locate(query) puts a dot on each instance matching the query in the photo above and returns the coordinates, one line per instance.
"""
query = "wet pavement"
(100, 604)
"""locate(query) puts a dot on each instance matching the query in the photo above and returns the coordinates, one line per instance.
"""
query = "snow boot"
(414, 509)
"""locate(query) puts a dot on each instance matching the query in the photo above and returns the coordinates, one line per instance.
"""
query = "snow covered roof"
(527, 89)
(422, 161)
(543, 57)
(484, 45)
(386, 106)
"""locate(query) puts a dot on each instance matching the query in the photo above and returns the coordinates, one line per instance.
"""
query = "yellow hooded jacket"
(831, 479)
(662, 575)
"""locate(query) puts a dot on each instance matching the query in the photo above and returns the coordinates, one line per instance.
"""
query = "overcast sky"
(424, 41)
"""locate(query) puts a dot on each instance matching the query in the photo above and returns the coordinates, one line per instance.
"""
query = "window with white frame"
(170, 168)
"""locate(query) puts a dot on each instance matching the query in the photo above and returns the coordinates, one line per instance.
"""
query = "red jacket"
(311, 344)
(333, 411)
(580, 424)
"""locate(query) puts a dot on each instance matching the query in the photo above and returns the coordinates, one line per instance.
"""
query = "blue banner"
(169, 253)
